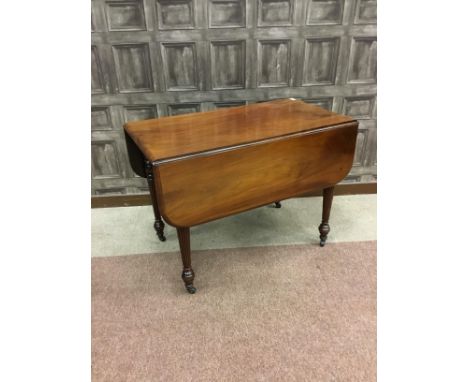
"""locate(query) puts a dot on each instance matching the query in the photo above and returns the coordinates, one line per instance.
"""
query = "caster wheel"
(191, 289)
(162, 237)
(277, 205)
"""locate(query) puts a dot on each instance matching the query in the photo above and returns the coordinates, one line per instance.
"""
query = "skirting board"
(144, 199)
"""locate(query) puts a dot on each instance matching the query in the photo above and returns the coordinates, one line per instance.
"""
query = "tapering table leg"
(187, 273)
(324, 228)
(158, 222)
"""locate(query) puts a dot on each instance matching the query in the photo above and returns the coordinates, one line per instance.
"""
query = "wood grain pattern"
(228, 64)
(321, 56)
(125, 15)
(188, 275)
(180, 66)
(275, 12)
(206, 187)
(97, 81)
(205, 166)
(324, 12)
(274, 63)
(175, 14)
(363, 60)
(324, 227)
(132, 68)
(225, 14)
(104, 164)
(191, 133)
(158, 222)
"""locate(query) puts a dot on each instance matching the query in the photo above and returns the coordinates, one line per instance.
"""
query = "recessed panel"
(366, 12)
(133, 68)
(359, 107)
(183, 108)
(273, 63)
(320, 61)
(275, 12)
(224, 105)
(226, 13)
(324, 12)
(138, 113)
(180, 66)
(110, 191)
(228, 64)
(125, 15)
(93, 23)
(175, 14)
(326, 103)
(104, 160)
(360, 146)
(363, 60)
(97, 83)
(100, 118)
(372, 148)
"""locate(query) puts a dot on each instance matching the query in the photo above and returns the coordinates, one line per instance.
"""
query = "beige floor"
(129, 230)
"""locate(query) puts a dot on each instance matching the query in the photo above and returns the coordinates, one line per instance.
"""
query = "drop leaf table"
(205, 166)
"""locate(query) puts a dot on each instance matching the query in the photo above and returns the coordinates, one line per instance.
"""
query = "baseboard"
(144, 199)
(349, 189)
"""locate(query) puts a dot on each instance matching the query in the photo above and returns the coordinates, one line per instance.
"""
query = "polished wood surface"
(324, 227)
(158, 222)
(206, 166)
(206, 187)
(188, 275)
(135, 156)
(176, 136)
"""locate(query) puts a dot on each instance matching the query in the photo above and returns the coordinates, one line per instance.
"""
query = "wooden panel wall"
(153, 58)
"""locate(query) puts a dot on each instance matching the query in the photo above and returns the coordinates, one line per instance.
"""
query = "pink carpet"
(285, 313)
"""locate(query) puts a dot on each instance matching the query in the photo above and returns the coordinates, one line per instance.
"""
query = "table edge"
(216, 150)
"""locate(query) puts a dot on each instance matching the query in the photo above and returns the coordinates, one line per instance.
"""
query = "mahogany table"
(205, 166)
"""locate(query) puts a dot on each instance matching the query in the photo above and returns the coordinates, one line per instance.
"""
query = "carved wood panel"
(153, 58)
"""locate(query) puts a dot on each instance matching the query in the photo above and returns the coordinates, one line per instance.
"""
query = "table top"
(176, 136)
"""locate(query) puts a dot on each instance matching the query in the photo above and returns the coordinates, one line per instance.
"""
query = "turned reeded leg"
(277, 204)
(187, 272)
(324, 228)
(158, 222)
